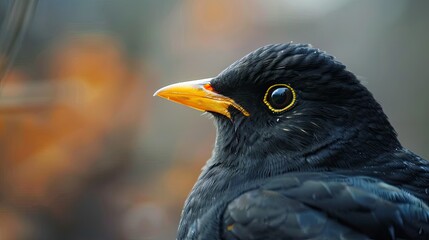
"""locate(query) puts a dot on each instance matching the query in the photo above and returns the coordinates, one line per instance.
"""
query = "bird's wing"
(319, 206)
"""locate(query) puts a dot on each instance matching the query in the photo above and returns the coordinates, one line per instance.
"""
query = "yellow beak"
(199, 95)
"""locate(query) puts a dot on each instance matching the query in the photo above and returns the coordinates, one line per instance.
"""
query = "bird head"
(291, 106)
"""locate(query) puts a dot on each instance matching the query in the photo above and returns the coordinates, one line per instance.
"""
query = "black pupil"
(280, 97)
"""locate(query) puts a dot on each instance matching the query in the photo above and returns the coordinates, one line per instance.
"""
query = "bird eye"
(279, 98)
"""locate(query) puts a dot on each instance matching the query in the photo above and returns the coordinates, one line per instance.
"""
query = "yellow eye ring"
(280, 91)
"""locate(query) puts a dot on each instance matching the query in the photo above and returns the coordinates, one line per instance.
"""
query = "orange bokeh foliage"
(54, 130)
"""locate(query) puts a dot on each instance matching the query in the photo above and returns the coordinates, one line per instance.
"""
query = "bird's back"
(383, 201)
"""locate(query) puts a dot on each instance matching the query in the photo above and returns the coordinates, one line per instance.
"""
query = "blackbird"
(303, 151)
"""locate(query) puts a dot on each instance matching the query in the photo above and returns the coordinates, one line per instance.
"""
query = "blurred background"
(86, 152)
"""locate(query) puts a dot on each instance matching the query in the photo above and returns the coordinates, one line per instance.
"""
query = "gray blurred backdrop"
(88, 153)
